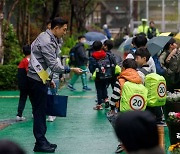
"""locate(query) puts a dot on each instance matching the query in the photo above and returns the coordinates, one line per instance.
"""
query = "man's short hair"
(140, 40)
(143, 52)
(48, 22)
(97, 45)
(81, 36)
(109, 44)
(27, 50)
(151, 22)
(58, 22)
(129, 63)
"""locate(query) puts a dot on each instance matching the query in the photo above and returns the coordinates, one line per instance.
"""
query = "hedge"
(8, 77)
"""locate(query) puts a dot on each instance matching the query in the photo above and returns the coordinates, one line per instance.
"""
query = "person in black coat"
(80, 60)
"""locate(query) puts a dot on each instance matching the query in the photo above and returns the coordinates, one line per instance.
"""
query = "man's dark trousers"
(38, 98)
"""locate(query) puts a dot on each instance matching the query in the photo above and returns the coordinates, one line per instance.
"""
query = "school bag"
(133, 97)
(105, 68)
(156, 85)
(159, 69)
(72, 56)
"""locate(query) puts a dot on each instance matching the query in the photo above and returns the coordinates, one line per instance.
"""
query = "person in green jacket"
(143, 28)
(152, 30)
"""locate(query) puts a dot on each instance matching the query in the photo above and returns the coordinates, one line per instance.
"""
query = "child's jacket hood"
(129, 75)
(99, 54)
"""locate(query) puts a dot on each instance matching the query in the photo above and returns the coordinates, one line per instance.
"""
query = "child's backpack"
(133, 97)
(156, 85)
(105, 68)
(159, 68)
(72, 56)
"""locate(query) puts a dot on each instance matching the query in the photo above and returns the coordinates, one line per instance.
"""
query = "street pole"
(178, 28)
(163, 16)
(131, 16)
(147, 10)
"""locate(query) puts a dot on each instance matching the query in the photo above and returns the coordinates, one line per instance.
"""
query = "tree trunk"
(80, 13)
(45, 16)
(28, 29)
(72, 17)
(11, 10)
(27, 24)
(1, 34)
(55, 9)
(10, 14)
(18, 23)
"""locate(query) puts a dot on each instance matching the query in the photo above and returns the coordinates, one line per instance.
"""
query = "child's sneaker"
(106, 101)
(119, 149)
(71, 87)
(18, 118)
(85, 88)
(98, 107)
(161, 123)
(51, 118)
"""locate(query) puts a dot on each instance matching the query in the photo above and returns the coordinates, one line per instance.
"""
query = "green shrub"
(8, 76)
(12, 50)
(69, 42)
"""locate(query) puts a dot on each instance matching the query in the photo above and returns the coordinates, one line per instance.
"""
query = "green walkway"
(82, 131)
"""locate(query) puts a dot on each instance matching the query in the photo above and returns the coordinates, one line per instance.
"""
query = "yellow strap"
(43, 75)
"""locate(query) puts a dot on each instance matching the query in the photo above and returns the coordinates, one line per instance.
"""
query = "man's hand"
(77, 70)
(62, 79)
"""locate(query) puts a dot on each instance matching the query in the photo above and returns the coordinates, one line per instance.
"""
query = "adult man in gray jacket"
(44, 50)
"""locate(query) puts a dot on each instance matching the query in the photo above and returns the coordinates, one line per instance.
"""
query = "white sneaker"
(18, 118)
(54, 117)
(51, 118)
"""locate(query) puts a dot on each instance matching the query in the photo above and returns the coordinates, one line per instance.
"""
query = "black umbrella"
(156, 44)
(95, 36)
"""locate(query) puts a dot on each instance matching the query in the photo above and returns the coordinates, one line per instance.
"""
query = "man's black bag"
(57, 105)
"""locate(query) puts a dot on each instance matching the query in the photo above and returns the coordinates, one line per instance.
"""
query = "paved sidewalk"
(83, 131)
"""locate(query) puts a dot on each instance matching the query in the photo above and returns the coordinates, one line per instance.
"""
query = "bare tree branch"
(11, 10)
(91, 11)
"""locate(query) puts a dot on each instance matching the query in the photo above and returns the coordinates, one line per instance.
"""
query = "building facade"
(128, 13)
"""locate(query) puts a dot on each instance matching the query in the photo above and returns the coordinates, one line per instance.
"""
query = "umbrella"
(95, 36)
(177, 37)
(156, 44)
(165, 34)
(126, 45)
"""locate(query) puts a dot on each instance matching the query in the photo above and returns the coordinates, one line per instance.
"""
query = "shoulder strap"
(144, 71)
(112, 59)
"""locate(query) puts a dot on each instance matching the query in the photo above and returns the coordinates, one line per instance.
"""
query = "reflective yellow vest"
(143, 29)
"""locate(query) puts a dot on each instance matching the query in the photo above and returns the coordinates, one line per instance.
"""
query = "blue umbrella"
(156, 44)
(95, 36)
